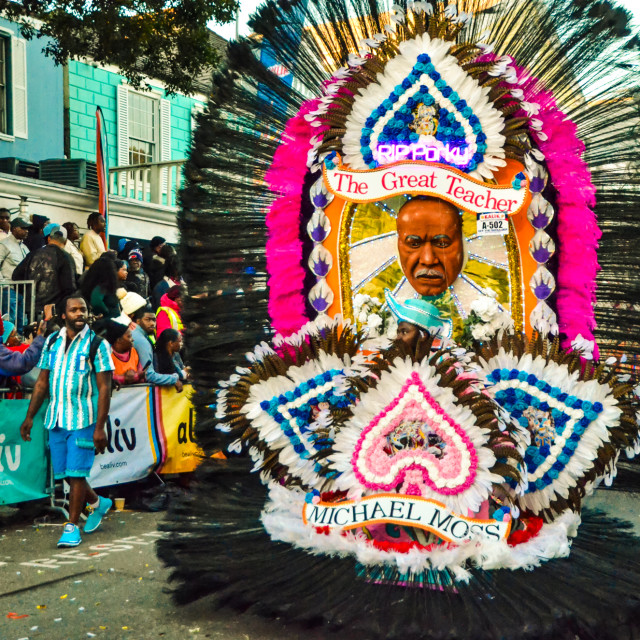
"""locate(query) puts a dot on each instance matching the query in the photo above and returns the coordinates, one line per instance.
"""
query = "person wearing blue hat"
(416, 316)
(16, 363)
(51, 268)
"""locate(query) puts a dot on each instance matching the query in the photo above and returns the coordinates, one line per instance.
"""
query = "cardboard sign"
(176, 419)
(132, 450)
(412, 511)
(23, 465)
(424, 178)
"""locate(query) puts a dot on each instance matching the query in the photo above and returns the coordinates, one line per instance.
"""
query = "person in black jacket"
(156, 243)
(36, 238)
(51, 268)
(137, 277)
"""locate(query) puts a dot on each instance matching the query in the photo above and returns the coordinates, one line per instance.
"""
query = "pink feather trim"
(578, 231)
(284, 248)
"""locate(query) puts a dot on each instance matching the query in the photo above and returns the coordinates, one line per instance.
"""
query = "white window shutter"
(165, 142)
(19, 87)
(123, 125)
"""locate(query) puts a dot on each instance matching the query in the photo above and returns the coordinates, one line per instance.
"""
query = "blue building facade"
(31, 98)
(142, 126)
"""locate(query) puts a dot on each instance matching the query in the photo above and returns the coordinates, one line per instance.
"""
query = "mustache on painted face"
(429, 273)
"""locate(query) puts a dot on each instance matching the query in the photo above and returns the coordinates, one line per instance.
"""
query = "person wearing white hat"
(131, 302)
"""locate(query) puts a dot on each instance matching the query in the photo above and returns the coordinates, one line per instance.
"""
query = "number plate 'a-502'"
(493, 223)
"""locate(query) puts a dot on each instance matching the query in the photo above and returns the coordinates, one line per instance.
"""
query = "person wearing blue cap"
(416, 316)
(16, 363)
(51, 268)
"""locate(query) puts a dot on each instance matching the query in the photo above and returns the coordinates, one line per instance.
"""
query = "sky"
(247, 7)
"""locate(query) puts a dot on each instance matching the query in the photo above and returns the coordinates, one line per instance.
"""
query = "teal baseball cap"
(419, 312)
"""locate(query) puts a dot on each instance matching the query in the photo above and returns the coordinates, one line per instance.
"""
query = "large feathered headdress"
(407, 473)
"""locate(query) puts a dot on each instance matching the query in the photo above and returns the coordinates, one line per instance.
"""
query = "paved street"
(113, 586)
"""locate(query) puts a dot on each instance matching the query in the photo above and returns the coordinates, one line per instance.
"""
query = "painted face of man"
(430, 244)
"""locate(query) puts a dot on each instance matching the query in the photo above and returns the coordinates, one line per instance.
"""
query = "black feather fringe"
(584, 52)
(217, 545)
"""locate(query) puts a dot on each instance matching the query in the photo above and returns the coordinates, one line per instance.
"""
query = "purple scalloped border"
(578, 231)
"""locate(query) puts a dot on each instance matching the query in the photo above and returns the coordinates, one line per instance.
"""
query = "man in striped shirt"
(77, 379)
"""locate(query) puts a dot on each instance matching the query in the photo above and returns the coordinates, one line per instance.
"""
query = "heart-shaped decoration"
(413, 445)
(413, 435)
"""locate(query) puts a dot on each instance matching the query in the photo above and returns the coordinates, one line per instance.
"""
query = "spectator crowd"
(133, 295)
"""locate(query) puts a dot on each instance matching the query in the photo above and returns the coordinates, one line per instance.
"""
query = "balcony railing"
(152, 183)
(17, 302)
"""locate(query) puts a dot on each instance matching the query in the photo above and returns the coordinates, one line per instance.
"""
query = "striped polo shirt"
(73, 391)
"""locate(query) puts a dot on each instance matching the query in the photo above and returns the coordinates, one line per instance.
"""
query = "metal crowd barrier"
(17, 302)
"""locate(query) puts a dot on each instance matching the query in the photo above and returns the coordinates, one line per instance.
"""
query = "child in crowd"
(128, 369)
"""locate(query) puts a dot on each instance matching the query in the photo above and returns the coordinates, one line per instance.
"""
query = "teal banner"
(23, 465)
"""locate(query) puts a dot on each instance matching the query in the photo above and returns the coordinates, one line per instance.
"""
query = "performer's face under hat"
(409, 334)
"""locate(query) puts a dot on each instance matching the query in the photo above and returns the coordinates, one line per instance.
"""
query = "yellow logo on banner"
(176, 415)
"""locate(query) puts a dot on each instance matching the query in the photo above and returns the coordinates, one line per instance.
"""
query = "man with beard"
(75, 373)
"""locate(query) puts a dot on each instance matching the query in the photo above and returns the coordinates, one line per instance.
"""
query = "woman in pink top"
(168, 315)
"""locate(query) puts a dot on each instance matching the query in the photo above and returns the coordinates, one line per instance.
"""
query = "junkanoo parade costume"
(435, 493)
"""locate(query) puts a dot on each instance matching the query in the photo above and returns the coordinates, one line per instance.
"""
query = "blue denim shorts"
(72, 452)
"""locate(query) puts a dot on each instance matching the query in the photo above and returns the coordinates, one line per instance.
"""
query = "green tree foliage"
(167, 40)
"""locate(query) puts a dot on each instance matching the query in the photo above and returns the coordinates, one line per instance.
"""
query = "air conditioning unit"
(78, 173)
(18, 167)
